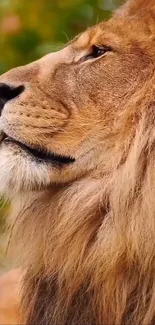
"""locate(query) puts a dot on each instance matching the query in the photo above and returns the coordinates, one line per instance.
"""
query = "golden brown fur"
(87, 231)
(10, 299)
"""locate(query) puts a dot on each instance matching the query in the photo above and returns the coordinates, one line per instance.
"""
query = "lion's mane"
(89, 247)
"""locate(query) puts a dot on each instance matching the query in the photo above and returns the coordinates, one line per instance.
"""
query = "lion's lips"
(2, 136)
(40, 154)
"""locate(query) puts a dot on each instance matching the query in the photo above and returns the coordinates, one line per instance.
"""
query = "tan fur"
(10, 299)
(87, 230)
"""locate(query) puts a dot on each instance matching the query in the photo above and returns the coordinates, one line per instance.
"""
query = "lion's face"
(60, 114)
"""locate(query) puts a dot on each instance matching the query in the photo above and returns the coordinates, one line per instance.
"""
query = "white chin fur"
(20, 173)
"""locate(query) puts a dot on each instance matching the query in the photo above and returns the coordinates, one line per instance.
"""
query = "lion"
(77, 160)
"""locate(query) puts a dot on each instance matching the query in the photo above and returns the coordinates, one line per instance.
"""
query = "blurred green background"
(30, 29)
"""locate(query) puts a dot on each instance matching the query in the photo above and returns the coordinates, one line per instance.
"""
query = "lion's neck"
(89, 253)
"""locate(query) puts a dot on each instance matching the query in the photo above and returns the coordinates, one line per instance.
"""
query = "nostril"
(9, 92)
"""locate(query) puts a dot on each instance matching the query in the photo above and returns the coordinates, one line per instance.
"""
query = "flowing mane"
(90, 246)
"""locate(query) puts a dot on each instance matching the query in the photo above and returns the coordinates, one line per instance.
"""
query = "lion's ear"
(131, 7)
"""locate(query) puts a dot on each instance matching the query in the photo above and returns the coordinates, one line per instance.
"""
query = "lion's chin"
(20, 173)
(24, 168)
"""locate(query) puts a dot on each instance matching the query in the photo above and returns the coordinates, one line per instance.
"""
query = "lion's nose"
(8, 92)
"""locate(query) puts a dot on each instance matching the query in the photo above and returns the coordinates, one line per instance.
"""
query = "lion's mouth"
(40, 154)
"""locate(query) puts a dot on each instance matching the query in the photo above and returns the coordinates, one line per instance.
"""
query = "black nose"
(8, 92)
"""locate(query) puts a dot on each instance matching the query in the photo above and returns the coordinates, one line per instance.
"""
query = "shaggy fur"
(88, 239)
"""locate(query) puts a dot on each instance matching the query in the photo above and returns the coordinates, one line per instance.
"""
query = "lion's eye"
(97, 51)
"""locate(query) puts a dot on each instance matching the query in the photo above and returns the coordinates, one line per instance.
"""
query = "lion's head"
(78, 153)
(62, 113)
